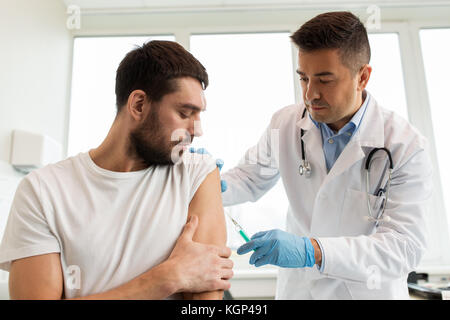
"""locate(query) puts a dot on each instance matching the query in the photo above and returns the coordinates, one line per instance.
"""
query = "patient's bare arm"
(207, 205)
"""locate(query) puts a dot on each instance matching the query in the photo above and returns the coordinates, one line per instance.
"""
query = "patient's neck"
(112, 154)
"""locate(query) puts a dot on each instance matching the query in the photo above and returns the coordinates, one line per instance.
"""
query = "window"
(251, 77)
(437, 68)
(386, 81)
(93, 100)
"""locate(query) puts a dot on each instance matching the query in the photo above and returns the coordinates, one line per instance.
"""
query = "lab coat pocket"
(354, 219)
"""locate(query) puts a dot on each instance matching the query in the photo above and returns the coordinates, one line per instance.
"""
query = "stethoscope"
(305, 170)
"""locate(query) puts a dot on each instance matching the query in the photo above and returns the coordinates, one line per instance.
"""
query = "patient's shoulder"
(196, 167)
(195, 160)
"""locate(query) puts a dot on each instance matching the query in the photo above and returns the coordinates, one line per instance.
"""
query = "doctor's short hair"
(154, 68)
(336, 30)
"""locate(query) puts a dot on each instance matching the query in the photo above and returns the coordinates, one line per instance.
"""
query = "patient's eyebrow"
(191, 106)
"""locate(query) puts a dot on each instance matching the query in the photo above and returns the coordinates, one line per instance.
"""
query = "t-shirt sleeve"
(198, 167)
(27, 232)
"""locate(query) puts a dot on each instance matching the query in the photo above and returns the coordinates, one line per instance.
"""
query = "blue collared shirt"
(333, 144)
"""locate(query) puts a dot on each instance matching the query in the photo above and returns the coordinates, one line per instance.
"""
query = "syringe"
(238, 228)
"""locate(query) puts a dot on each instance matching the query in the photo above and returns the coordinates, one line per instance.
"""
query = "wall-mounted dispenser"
(31, 151)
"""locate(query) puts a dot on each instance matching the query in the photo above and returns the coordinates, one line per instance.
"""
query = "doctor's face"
(331, 91)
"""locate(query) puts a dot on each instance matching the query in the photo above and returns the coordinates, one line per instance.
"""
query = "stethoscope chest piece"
(305, 169)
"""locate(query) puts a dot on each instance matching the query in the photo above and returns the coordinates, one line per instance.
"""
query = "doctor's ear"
(364, 76)
(136, 104)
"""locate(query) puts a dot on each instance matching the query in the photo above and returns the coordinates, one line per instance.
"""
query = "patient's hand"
(200, 267)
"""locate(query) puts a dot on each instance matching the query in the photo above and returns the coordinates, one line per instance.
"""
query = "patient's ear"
(136, 105)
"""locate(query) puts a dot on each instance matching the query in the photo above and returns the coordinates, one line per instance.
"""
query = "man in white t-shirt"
(108, 223)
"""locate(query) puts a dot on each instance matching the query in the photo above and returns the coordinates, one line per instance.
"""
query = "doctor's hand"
(279, 248)
(219, 164)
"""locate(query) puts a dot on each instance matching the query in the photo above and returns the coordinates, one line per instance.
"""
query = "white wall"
(35, 64)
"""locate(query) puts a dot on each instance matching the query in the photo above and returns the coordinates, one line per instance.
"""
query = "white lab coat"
(361, 261)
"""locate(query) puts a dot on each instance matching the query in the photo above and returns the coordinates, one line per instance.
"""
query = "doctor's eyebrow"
(320, 74)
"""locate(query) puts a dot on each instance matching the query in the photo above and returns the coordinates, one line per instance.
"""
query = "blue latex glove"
(279, 248)
(219, 164)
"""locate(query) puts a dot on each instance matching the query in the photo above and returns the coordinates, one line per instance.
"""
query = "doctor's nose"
(311, 93)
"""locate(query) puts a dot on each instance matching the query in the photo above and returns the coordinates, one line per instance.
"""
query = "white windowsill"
(250, 282)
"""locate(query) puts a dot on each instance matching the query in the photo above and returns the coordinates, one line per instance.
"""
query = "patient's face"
(170, 125)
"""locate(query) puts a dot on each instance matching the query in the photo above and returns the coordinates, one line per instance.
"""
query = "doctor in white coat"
(333, 246)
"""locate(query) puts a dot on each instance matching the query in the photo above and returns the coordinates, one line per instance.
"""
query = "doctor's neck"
(352, 110)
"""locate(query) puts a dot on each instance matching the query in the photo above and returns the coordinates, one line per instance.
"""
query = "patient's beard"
(147, 142)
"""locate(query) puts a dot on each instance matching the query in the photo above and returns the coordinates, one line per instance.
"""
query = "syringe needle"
(239, 228)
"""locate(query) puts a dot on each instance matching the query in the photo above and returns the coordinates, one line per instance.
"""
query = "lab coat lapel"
(369, 135)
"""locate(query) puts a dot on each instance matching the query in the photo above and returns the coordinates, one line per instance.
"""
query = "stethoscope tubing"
(305, 169)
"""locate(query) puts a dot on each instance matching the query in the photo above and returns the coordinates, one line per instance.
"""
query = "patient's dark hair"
(154, 68)
(336, 30)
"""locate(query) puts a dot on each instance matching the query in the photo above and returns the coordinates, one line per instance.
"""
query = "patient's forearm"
(157, 283)
(212, 295)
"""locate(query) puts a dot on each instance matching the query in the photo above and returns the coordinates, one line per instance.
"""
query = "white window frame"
(415, 90)
(420, 115)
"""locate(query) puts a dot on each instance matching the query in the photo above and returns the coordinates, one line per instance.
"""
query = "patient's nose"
(197, 129)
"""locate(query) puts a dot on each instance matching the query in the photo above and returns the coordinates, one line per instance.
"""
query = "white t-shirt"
(109, 227)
